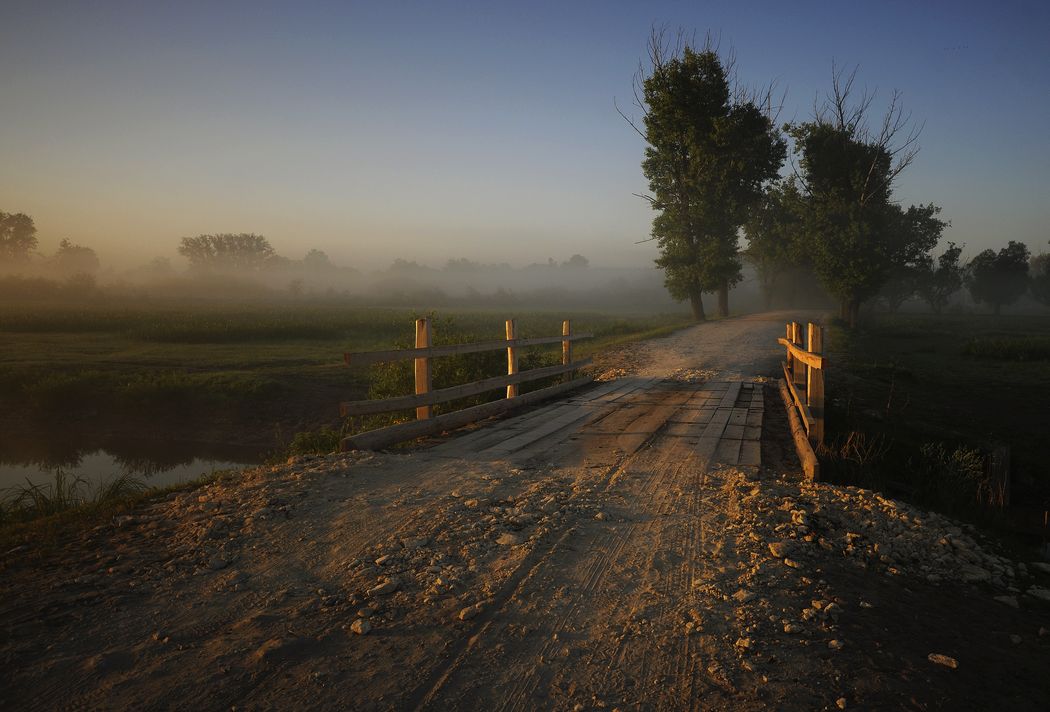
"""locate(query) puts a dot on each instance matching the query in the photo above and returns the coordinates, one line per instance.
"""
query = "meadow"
(917, 403)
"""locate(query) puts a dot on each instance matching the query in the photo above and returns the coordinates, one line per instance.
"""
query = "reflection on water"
(157, 463)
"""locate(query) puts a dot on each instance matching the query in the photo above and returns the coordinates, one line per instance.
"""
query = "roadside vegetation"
(949, 411)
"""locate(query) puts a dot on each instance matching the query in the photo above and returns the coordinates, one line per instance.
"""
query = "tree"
(227, 251)
(577, 262)
(854, 233)
(17, 237)
(710, 149)
(999, 279)
(75, 259)
(317, 260)
(936, 286)
(773, 232)
(1039, 274)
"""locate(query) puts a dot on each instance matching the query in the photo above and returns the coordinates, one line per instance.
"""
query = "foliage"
(774, 235)
(936, 286)
(17, 236)
(227, 251)
(66, 492)
(854, 232)
(950, 479)
(999, 279)
(73, 259)
(1006, 348)
(1039, 272)
(708, 155)
(315, 442)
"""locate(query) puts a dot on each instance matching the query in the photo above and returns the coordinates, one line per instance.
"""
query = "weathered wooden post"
(815, 384)
(566, 346)
(512, 357)
(423, 380)
(798, 369)
(787, 335)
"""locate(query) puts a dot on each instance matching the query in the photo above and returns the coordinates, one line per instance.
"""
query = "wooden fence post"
(815, 384)
(512, 357)
(787, 335)
(566, 346)
(798, 369)
(423, 380)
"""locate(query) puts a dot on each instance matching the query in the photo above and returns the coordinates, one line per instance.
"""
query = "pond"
(157, 463)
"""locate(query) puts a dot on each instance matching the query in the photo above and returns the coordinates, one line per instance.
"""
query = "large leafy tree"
(75, 259)
(17, 237)
(855, 234)
(710, 149)
(1039, 273)
(227, 251)
(937, 285)
(999, 279)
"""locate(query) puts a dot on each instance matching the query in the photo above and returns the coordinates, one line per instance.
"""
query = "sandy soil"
(613, 569)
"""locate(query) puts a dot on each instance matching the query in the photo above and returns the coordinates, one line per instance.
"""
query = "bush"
(1023, 348)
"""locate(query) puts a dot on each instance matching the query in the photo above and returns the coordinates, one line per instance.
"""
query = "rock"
(743, 643)
(832, 611)
(792, 628)
(944, 660)
(974, 574)
(818, 604)
(1042, 594)
(416, 543)
(366, 612)
(1008, 600)
(508, 539)
(841, 703)
(600, 516)
(1040, 566)
(782, 548)
(469, 612)
(792, 563)
(743, 596)
(836, 644)
(1015, 639)
(217, 563)
(388, 586)
(361, 626)
(865, 604)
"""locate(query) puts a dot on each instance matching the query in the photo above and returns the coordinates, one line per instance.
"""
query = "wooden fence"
(804, 385)
(425, 396)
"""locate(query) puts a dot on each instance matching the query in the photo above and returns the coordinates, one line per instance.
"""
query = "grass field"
(922, 397)
(239, 371)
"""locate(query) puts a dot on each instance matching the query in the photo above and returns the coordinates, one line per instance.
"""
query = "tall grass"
(65, 493)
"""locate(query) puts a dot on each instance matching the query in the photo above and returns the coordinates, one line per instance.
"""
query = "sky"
(487, 130)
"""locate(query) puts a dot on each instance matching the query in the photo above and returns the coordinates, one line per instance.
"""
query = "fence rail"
(804, 386)
(425, 396)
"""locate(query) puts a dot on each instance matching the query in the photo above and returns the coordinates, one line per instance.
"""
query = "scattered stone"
(743, 643)
(1008, 600)
(832, 611)
(469, 612)
(865, 604)
(600, 516)
(792, 628)
(1040, 566)
(944, 660)
(217, 563)
(508, 539)
(841, 703)
(366, 612)
(416, 543)
(782, 548)
(792, 563)
(1042, 594)
(975, 574)
(383, 559)
(361, 626)
(1043, 632)
(1015, 639)
(388, 586)
(836, 644)
(743, 596)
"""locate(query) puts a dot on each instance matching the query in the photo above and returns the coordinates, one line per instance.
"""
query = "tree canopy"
(227, 251)
(710, 150)
(936, 286)
(999, 279)
(855, 234)
(17, 237)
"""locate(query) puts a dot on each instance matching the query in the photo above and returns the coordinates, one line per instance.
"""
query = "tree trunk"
(844, 309)
(696, 301)
(854, 312)
(767, 299)
(723, 299)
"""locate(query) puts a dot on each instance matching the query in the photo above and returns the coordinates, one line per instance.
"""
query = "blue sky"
(485, 129)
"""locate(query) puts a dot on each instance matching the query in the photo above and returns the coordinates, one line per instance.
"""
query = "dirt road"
(642, 545)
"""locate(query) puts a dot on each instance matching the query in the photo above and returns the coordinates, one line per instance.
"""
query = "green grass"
(914, 399)
(221, 368)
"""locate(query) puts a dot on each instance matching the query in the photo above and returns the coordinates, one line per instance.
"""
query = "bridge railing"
(804, 381)
(425, 396)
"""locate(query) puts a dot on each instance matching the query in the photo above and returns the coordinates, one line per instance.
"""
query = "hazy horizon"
(426, 133)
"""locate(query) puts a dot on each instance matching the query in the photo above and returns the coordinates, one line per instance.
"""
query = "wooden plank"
(444, 395)
(727, 452)
(566, 344)
(363, 358)
(512, 357)
(732, 393)
(815, 385)
(810, 465)
(807, 417)
(384, 437)
(422, 368)
(814, 360)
